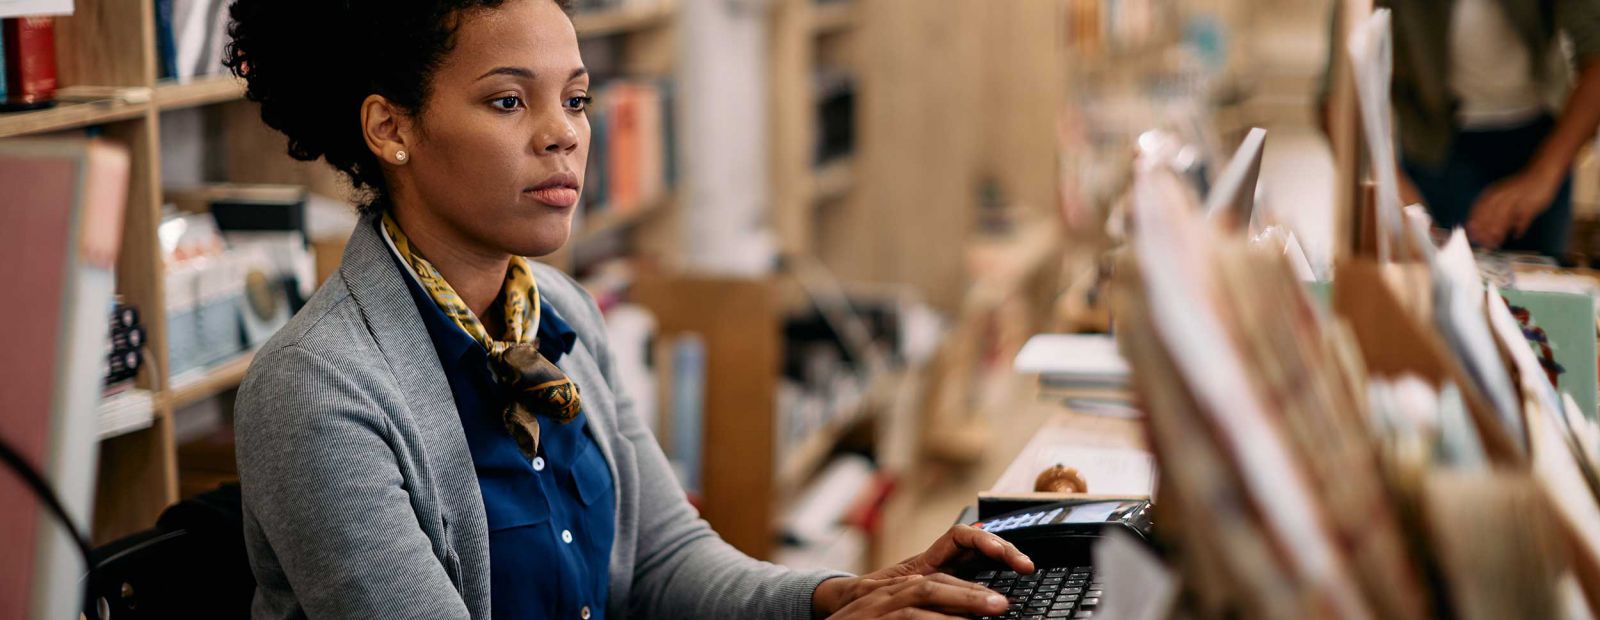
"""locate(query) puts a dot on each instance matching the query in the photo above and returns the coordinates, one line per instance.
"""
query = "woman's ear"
(384, 126)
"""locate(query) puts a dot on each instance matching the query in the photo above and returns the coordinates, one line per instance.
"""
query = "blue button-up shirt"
(551, 519)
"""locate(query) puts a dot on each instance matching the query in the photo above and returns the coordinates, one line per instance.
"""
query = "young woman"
(438, 433)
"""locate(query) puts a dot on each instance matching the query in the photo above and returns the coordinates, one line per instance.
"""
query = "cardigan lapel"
(379, 288)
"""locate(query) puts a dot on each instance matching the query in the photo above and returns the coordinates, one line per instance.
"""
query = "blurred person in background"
(1493, 100)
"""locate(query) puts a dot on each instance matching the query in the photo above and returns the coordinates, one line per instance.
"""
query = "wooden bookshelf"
(609, 221)
(623, 20)
(203, 384)
(812, 453)
(171, 95)
(68, 116)
(832, 16)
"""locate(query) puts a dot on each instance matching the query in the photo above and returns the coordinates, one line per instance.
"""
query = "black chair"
(191, 565)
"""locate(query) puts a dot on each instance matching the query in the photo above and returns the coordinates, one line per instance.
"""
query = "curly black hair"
(310, 64)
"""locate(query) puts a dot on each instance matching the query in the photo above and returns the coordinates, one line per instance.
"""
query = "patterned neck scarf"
(536, 386)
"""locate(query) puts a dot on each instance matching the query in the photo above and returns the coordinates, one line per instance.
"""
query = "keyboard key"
(1033, 617)
(1085, 614)
(1063, 605)
(988, 574)
(1057, 570)
(1070, 590)
(1090, 602)
(1010, 574)
(1031, 578)
(1082, 569)
(1048, 588)
(1094, 592)
(1050, 580)
(1059, 613)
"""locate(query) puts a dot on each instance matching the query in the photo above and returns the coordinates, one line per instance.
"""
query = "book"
(3, 57)
(166, 47)
(60, 235)
(30, 53)
(624, 149)
(688, 407)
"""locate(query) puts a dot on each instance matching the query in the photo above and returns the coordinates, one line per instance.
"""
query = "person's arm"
(321, 480)
(1509, 206)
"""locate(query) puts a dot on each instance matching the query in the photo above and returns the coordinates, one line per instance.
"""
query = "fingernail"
(995, 600)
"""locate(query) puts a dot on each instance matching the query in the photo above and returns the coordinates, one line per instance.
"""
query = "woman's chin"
(543, 240)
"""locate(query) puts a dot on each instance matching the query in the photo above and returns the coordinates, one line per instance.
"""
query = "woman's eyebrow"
(518, 72)
(527, 74)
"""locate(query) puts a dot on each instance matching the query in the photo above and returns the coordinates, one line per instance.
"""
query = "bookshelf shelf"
(225, 376)
(610, 22)
(68, 116)
(609, 221)
(834, 179)
(833, 16)
(201, 92)
(810, 454)
(806, 457)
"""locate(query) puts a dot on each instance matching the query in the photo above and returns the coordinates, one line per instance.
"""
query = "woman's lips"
(560, 197)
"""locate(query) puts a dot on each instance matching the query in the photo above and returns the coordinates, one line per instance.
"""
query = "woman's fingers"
(991, 546)
(945, 593)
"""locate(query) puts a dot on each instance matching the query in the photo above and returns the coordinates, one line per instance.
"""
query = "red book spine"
(30, 59)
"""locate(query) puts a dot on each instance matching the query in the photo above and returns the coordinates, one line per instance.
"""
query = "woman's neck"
(477, 275)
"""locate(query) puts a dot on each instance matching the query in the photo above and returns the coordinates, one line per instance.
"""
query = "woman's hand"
(934, 597)
(961, 545)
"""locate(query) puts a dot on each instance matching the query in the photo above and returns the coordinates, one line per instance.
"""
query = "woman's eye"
(507, 103)
(579, 103)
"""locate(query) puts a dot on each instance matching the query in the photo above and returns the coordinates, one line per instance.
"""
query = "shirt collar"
(556, 336)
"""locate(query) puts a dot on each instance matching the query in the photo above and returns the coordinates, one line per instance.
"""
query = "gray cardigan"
(360, 498)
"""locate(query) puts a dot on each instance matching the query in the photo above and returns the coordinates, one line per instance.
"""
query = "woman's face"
(500, 152)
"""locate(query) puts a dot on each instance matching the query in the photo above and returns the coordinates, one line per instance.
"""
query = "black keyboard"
(1048, 593)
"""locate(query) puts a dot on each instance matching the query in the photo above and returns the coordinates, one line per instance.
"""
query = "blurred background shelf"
(201, 91)
(833, 180)
(833, 15)
(608, 22)
(190, 388)
(68, 116)
(608, 220)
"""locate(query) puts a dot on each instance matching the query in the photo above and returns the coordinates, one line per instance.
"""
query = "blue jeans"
(1478, 159)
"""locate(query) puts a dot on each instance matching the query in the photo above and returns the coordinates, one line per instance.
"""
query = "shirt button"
(566, 536)
(538, 463)
(584, 613)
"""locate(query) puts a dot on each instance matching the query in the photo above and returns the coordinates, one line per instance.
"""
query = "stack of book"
(631, 159)
(190, 36)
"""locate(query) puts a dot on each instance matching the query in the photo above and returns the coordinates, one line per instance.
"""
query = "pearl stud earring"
(400, 156)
